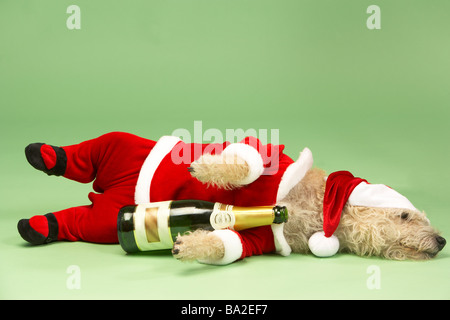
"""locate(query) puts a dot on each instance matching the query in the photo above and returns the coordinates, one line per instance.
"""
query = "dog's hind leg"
(108, 159)
(92, 223)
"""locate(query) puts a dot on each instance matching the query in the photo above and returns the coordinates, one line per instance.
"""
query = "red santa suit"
(129, 169)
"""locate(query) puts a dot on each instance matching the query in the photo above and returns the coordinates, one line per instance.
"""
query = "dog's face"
(417, 240)
(397, 234)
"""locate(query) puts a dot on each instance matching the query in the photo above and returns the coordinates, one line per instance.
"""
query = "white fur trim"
(295, 173)
(249, 155)
(322, 246)
(379, 196)
(281, 245)
(233, 247)
(164, 145)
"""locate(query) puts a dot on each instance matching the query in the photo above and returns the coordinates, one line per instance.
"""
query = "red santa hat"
(342, 188)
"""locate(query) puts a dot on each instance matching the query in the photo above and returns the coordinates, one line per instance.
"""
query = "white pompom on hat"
(341, 188)
(322, 246)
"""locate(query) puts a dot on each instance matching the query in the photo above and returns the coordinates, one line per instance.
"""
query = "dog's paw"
(200, 168)
(179, 251)
(183, 249)
(198, 245)
(227, 172)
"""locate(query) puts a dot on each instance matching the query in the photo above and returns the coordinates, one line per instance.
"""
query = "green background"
(375, 102)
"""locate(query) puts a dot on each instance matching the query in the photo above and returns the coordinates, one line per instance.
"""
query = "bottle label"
(222, 216)
(151, 222)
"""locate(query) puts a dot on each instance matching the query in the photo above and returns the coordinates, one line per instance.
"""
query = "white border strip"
(165, 238)
(295, 173)
(164, 145)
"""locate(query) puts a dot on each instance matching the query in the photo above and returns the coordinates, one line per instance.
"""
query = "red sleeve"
(256, 241)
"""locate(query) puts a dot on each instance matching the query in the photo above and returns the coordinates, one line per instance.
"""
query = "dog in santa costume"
(326, 214)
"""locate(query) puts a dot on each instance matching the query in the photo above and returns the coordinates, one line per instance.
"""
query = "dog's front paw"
(198, 245)
(227, 172)
(201, 168)
(180, 252)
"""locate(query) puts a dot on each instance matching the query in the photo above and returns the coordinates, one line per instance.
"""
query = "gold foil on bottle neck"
(240, 218)
(251, 217)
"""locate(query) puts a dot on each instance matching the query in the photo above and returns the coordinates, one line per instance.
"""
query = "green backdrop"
(375, 102)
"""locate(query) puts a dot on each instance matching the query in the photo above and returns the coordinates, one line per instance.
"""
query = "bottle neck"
(251, 217)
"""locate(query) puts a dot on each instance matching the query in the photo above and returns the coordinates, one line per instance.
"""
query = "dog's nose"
(440, 242)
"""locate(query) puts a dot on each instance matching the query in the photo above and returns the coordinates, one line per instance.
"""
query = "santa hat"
(341, 188)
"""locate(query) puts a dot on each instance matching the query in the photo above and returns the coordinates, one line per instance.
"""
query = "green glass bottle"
(155, 226)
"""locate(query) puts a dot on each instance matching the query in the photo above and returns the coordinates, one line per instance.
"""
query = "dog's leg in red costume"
(114, 161)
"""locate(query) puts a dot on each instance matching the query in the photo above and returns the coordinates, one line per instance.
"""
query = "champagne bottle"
(155, 226)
